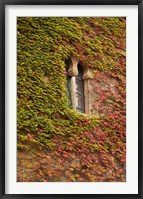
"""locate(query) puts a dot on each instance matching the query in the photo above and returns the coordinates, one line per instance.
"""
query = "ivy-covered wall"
(55, 143)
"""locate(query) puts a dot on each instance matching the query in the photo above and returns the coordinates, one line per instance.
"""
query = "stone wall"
(102, 89)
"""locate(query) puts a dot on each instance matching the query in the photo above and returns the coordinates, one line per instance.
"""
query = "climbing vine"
(44, 120)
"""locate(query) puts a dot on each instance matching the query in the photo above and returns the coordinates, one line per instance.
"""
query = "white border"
(129, 187)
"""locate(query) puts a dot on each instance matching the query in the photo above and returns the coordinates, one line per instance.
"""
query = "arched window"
(78, 86)
(80, 106)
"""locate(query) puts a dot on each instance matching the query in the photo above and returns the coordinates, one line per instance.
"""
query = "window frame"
(72, 71)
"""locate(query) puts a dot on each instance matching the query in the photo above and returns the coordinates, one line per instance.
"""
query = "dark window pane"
(79, 86)
(79, 91)
(79, 101)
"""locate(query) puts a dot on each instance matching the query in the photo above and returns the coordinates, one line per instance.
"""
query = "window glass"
(79, 91)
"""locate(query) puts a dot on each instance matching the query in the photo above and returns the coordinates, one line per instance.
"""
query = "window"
(78, 86)
(80, 91)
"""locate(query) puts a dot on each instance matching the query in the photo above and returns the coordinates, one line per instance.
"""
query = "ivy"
(44, 120)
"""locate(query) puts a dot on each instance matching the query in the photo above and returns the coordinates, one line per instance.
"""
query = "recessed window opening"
(78, 86)
(80, 106)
